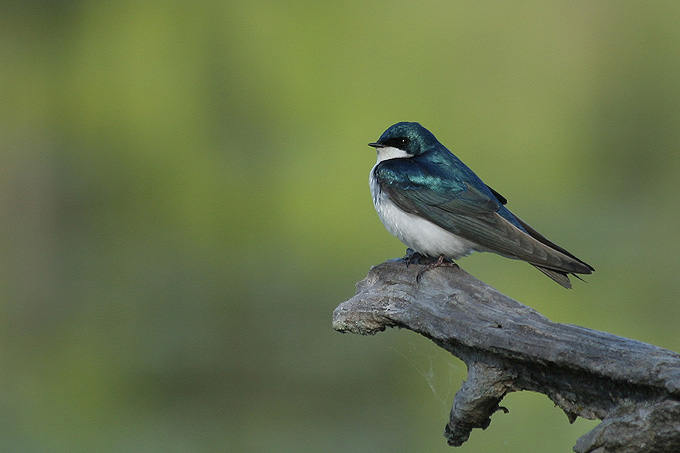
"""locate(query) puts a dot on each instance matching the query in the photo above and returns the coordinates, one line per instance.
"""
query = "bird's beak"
(376, 145)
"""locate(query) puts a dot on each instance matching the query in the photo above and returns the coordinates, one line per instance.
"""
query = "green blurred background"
(184, 201)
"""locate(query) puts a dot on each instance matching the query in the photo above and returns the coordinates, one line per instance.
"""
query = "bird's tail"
(560, 277)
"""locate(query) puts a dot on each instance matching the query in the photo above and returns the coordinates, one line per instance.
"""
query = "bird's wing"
(466, 211)
(500, 197)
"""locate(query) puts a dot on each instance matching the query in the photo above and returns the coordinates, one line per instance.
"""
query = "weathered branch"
(632, 386)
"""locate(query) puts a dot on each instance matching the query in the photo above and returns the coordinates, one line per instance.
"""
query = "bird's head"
(403, 140)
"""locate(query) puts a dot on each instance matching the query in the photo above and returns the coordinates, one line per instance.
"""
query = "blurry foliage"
(184, 201)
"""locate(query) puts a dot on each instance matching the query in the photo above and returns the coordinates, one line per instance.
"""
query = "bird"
(438, 207)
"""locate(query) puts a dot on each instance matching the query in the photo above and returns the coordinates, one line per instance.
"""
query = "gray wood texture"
(633, 387)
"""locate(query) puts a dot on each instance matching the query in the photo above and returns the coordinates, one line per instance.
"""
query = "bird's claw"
(441, 262)
(411, 257)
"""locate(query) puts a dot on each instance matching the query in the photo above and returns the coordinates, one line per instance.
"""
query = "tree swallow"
(437, 206)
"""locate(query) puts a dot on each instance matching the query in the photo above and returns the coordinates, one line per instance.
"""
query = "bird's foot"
(412, 257)
(441, 262)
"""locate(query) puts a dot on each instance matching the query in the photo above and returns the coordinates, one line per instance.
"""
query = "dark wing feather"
(468, 212)
(500, 197)
(539, 237)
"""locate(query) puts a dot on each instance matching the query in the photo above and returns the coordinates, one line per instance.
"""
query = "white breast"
(417, 233)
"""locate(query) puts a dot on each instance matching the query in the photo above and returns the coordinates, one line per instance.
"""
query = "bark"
(633, 387)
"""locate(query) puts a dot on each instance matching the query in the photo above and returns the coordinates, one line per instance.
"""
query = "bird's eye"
(398, 142)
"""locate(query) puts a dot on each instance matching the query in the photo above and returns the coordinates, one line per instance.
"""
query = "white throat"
(390, 152)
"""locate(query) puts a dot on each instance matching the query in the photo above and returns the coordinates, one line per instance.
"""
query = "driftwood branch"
(633, 387)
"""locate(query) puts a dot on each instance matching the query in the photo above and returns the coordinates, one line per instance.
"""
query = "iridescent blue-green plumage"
(419, 176)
